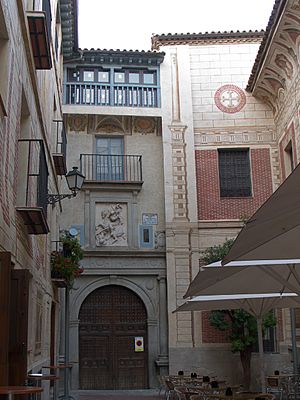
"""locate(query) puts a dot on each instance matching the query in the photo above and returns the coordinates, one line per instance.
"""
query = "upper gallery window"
(88, 76)
(103, 76)
(234, 173)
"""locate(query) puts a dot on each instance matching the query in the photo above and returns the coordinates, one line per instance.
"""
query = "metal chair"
(274, 387)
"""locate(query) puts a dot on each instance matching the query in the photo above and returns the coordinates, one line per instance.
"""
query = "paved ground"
(151, 394)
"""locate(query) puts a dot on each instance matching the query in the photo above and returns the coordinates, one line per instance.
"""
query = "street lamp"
(75, 181)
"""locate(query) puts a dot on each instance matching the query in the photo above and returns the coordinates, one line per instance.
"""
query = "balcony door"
(110, 159)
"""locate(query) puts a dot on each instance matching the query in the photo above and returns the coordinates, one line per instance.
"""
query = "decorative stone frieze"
(237, 136)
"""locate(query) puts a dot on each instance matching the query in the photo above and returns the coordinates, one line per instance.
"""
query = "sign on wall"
(149, 219)
(138, 344)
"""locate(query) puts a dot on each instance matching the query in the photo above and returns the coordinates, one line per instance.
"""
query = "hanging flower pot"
(65, 264)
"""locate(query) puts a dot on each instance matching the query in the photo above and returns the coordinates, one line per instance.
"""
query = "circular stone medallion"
(230, 99)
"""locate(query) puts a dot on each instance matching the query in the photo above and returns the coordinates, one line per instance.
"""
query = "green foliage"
(216, 253)
(66, 264)
(240, 325)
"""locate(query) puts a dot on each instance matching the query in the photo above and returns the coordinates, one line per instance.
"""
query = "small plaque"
(138, 344)
(149, 219)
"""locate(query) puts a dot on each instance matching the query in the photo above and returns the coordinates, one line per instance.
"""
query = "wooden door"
(110, 319)
(5, 268)
(18, 326)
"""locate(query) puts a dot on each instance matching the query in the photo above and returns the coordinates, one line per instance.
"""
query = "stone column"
(163, 357)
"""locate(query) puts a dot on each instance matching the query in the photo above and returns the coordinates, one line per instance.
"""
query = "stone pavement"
(150, 394)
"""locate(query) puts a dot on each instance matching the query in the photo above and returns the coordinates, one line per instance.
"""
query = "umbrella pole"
(294, 340)
(261, 353)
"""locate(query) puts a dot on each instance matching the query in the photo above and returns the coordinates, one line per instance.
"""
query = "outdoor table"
(42, 377)
(38, 378)
(288, 384)
(10, 391)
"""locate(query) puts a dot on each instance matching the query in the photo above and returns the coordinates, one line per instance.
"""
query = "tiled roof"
(262, 51)
(134, 57)
(207, 37)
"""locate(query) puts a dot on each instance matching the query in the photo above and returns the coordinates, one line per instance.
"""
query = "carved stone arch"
(81, 294)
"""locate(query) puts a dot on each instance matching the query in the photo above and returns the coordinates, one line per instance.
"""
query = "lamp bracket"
(54, 198)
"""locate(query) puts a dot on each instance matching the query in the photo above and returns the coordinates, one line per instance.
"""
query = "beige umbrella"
(256, 304)
(273, 231)
(244, 277)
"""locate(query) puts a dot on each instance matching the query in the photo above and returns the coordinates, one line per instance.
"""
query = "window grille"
(234, 173)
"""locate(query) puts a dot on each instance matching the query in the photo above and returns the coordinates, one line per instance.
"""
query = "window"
(103, 76)
(234, 173)
(119, 77)
(110, 159)
(288, 159)
(134, 77)
(88, 76)
(149, 79)
(146, 236)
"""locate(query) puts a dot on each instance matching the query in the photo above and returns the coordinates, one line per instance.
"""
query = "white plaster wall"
(151, 197)
(215, 65)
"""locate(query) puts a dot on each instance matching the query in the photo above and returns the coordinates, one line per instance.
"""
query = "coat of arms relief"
(111, 224)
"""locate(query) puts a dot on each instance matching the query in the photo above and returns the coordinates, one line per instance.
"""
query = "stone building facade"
(155, 134)
(112, 115)
(30, 159)
(209, 122)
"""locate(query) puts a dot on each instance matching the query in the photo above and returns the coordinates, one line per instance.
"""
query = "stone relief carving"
(160, 240)
(111, 229)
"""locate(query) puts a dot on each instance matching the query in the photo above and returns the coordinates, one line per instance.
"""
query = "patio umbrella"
(247, 277)
(273, 231)
(256, 304)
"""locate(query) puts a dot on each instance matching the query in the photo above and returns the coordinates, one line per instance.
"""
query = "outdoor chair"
(170, 391)
(197, 397)
(162, 387)
(180, 392)
(273, 387)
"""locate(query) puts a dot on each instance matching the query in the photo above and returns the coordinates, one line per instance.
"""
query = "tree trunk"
(245, 356)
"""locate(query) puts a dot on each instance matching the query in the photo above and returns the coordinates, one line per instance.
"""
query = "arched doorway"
(110, 320)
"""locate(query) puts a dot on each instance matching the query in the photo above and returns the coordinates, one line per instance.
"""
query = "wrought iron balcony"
(35, 173)
(111, 168)
(96, 94)
(60, 155)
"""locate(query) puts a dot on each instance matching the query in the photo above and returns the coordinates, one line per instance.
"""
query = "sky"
(129, 25)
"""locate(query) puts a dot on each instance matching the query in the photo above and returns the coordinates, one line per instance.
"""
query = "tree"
(240, 325)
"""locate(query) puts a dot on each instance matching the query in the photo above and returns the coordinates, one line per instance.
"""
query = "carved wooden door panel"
(110, 319)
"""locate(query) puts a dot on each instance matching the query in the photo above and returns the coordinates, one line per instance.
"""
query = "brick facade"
(211, 334)
(211, 206)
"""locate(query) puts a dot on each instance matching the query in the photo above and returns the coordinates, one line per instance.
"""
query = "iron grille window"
(234, 172)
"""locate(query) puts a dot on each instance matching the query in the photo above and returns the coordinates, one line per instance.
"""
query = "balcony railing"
(34, 171)
(111, 168)
(111, 95)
